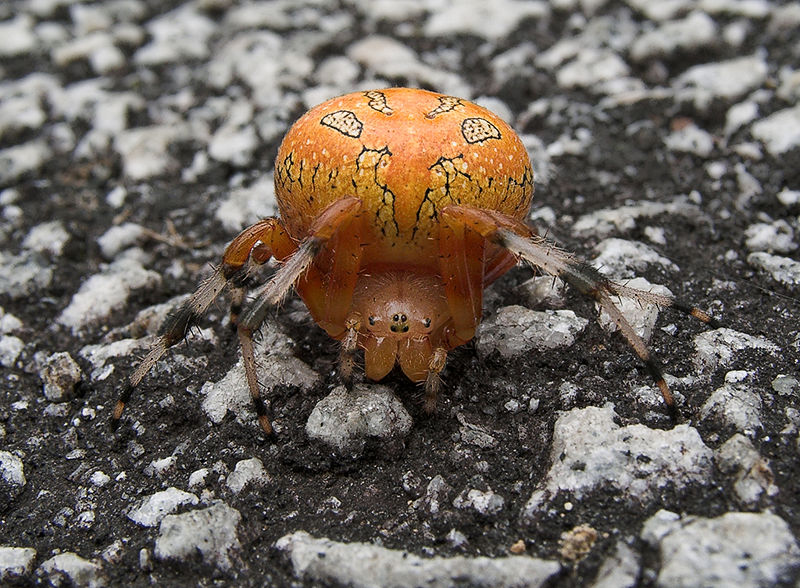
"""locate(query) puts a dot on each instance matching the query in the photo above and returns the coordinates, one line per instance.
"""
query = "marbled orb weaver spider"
(397, 208)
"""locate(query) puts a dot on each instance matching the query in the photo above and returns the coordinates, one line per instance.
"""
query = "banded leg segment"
(253, 246)
(518, 238)
(334, 218)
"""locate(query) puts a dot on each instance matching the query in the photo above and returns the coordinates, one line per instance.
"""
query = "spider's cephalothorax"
(397, 208)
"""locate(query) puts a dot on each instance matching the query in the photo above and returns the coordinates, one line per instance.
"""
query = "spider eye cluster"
(399, 323)
(400, 304)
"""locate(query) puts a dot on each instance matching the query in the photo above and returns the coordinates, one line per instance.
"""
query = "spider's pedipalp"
(347, 351)
(434, 381)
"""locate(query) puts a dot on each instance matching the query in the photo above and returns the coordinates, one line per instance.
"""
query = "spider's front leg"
(325, 228)
(252, 247)
(519, 239)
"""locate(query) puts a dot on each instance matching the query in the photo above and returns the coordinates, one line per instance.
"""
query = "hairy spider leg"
(254, 246)
(327, 287)
(519, 239)
(299, 266)
(468, 263)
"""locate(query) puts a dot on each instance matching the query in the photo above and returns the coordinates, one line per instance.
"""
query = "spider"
(398, 207)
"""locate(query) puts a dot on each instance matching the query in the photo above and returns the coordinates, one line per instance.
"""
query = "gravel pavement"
(137, 138)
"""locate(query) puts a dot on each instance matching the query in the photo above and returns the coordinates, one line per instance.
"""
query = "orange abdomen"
(406, 154)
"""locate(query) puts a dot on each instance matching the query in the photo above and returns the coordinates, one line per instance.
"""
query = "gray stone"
(690, 139)
(486, 503)
(70, 568)
(49, 237)
(641, 316)
(736, 549)
(753, 476)
(436, 493)
(345, 420)
(779, 131)
(11, 469)
(18, 36)
(276, 366)
(16, 561)
(735, 404)
(619, 570)
(211, 532)
(693, 32)
(605, 221)
(786, 385)
(180, 34)
(726, 80)
(774, 237)
(361, 565)
(782, 269)
(59, 374)
(590, 68)
(119, 237)
(516, 330)
(145, 151)
(719, 348)
(591, 451)
(490, 21)
(247, 473)
(156, 507)
(621, 258)
(10, 349)
(105, 292)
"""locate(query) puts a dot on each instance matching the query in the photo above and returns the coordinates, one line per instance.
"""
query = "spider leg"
(520, 240)
(433, 381)
(252, 247)
(336, 216)
(348, 350)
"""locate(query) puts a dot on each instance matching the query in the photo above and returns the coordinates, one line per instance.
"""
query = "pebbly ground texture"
(137, 138)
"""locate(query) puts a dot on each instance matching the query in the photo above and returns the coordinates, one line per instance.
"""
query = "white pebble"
(152, 510)
(16, 561)
(347, 419)
(698, 551)
(10, 349)
(248, 472)
(516, 330)
(99, 478)
(211, 532)
(11, 469)
(70, 568)
(780, 131)
(323, 561)
(783, 269)
(690, 139)
(59, 374)
(590, 450)
(736, 404)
